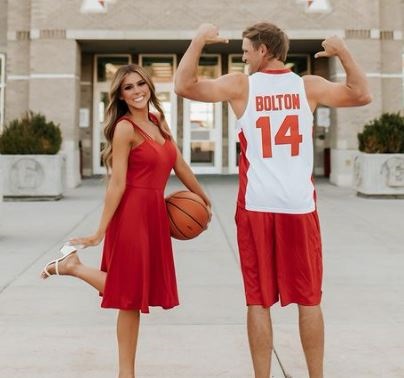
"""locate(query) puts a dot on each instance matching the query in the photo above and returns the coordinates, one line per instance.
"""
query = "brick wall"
(187, 14)
(38, 44)
(3, 25)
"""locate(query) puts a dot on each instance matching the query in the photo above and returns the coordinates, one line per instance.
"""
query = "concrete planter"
(379, 174)
(33, 176)
(1, 191)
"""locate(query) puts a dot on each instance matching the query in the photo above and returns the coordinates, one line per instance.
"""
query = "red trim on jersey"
(284, 70)
(314, 191)
(242, 169)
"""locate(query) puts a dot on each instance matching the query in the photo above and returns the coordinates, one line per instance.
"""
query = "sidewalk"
(55, 328)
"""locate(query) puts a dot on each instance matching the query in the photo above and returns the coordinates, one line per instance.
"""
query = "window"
(160, 67)
(2, 86)
(107, 65)
(236, 64)
(299, 63)
(105, 68)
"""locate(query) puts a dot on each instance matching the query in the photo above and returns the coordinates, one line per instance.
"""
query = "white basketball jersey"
(276, 140)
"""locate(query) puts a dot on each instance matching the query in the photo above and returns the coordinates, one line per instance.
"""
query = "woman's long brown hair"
(118, 108)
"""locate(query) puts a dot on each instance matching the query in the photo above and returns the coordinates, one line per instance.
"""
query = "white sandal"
(66, 251)
(68, 248)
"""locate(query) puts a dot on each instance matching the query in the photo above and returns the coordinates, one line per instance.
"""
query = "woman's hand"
(209, 208)
(87, 241)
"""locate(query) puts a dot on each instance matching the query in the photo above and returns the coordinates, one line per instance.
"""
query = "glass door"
(161, 68)
(105, 68)
(236, 64)
(300, 64)
(168, 100)
(202, 143)
(101, 103)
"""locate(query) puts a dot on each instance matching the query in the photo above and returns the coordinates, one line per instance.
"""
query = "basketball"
(187, 213)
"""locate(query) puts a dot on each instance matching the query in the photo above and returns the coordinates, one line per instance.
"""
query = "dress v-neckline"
(148, 137)
(155, 141)
(145, 134)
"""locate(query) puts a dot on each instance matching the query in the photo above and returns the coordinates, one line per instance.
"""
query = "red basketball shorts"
(280, 256)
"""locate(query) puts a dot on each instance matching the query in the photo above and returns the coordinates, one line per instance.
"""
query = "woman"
(137, 269)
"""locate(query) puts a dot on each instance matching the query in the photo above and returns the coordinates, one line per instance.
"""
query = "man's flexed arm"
(187, 83)
(355, 90)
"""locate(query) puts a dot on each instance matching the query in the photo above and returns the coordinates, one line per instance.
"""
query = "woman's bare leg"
(127, 334)
(72, 266)
(128, 321)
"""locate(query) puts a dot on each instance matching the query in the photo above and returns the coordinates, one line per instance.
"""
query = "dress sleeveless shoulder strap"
(154, 119)
(136, 127)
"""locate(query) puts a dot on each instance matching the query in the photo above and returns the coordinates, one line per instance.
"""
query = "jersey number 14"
(288, 133)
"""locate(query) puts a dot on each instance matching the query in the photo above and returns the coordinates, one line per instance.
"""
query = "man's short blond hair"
(274, 38)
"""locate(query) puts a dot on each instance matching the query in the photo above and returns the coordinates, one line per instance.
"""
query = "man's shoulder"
(237, 77)
(312, 79)
(314, 86)
(312, 83)
(236, 83)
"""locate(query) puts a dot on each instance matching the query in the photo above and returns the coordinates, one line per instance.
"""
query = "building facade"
(58, 60)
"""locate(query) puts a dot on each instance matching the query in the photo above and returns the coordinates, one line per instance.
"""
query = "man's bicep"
(332, 94)
(221, 89)
(338, 95)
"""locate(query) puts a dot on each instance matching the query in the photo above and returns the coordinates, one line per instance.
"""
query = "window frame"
(402, 81)
(98, 87)
(2, 88)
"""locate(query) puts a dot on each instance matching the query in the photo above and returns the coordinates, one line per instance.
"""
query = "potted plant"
(379, 167)
(30, 159)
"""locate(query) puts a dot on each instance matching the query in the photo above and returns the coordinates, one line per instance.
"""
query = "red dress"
(137, 253)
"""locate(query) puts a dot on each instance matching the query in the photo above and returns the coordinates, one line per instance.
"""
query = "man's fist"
(332, 46)
(209, 34)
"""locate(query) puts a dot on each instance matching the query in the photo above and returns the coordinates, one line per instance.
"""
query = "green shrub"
(31, 135)
(383, 135)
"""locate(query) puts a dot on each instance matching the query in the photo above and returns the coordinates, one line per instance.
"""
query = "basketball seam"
(190, 199)
(175, 226)
(173, 204)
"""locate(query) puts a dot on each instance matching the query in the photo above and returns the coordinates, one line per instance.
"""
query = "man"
(277, 225)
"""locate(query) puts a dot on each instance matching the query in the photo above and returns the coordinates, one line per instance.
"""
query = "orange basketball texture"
(187, 213)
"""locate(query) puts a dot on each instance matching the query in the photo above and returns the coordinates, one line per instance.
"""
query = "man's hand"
(209, 34)
(332, 46)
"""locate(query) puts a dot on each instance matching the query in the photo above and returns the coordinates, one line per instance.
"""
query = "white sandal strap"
(67, 249)
(46, 271)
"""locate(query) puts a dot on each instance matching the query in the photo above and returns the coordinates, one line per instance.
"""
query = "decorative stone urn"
(1, 190)
(379, 174)
(28, 176)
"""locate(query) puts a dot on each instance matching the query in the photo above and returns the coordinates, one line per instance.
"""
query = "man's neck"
(272, 65)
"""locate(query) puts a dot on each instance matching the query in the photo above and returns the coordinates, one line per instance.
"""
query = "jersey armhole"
(239, 120)
(305, 100)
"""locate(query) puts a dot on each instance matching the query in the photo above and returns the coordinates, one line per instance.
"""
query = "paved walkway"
(56, 328)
